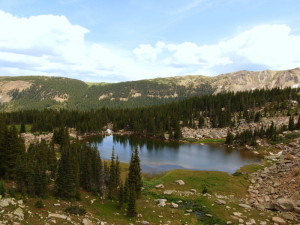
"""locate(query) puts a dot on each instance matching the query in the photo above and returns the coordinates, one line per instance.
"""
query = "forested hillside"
(37, 92)
(221, 110)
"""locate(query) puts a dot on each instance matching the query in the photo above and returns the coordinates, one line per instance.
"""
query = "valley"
(225, 158)
(40, 92)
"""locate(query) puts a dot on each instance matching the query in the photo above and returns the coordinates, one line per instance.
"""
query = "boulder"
(284, 205)
(145, 223)
(220, 202)
(245, 206)
(86, 222)
(193, 190)
(19, 213)
(180, 182)
(297, 210)
(168, 192)
(159, 186)
(4, 203)
(56, 215)
(278, 220)
(161, 202)
(174, 205)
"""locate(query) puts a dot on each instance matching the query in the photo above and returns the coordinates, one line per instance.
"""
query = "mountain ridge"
(39, 92)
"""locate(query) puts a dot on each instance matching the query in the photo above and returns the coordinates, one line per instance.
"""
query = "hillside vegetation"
(38, 92)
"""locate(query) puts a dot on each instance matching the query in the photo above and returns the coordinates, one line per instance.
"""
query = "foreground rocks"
(278, 187)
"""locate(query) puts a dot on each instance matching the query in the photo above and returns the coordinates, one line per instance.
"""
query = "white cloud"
(270, 46)
(51, 45)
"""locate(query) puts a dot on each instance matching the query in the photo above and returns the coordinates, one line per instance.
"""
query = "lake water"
(157, 155)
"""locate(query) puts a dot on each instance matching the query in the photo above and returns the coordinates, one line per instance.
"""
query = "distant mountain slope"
(38, 92)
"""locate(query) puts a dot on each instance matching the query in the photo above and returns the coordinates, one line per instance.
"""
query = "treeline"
(44, 170)
(271, 133)
(221, 110)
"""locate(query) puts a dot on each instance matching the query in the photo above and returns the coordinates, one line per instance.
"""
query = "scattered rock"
(159, 186)
(168, 192)
(174, 205)
(278, 220)
(86, 222)
(19, 212)
(180, 182)
(161, 202)
(56, 215)
(193, 190)
(245, 206)
(220, 202)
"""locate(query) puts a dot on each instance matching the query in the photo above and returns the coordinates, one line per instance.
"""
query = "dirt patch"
(8, 86)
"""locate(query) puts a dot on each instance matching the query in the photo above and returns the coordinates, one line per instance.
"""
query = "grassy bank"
(230, 188)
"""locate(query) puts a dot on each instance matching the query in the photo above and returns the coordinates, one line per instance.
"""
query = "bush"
(237, 174)
(11, 192)
(204, 189)
(76, 210)
(2, 188)
(39, 204)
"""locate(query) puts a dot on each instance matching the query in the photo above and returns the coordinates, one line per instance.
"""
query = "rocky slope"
(54, 92)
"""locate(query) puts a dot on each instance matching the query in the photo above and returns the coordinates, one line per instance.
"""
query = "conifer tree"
(67, 181)
(126, 191)
(22, 128)
(112, 177)
(121, 196)
(229, 138)
(298, 123)
(201, 121)
(177, 132)
(134, 175)
(131, 206)
(291, 125)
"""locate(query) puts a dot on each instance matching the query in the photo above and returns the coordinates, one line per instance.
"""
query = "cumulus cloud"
(51, 45)
(272, 46)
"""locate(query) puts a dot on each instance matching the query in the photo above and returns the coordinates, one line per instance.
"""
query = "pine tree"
(67, 182)
(112, 177)
(126, 191)
(177, 132)
(22, 128)
(298, 123)
(134, 175)
(131, 207)
(121, 196)
(257, 117)
(291, 125)
(2, 189)
(229, 138)
(201, 122)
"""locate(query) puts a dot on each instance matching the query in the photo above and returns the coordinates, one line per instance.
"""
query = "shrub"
(39, 204)
(204, 189)
(2, 188)
(76, 210)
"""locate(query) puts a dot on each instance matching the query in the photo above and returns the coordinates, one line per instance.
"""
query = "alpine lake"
(157, 155)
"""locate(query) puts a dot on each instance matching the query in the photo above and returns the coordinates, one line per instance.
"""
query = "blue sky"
(119, 40)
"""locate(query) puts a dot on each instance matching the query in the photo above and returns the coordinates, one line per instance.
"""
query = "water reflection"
(158, 155)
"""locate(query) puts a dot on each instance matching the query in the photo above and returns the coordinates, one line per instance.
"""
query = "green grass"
(217, 183)
(211, 140)
(18, 126)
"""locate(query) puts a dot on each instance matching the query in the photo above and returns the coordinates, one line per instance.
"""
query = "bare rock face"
(249, 80)
(7, 87)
